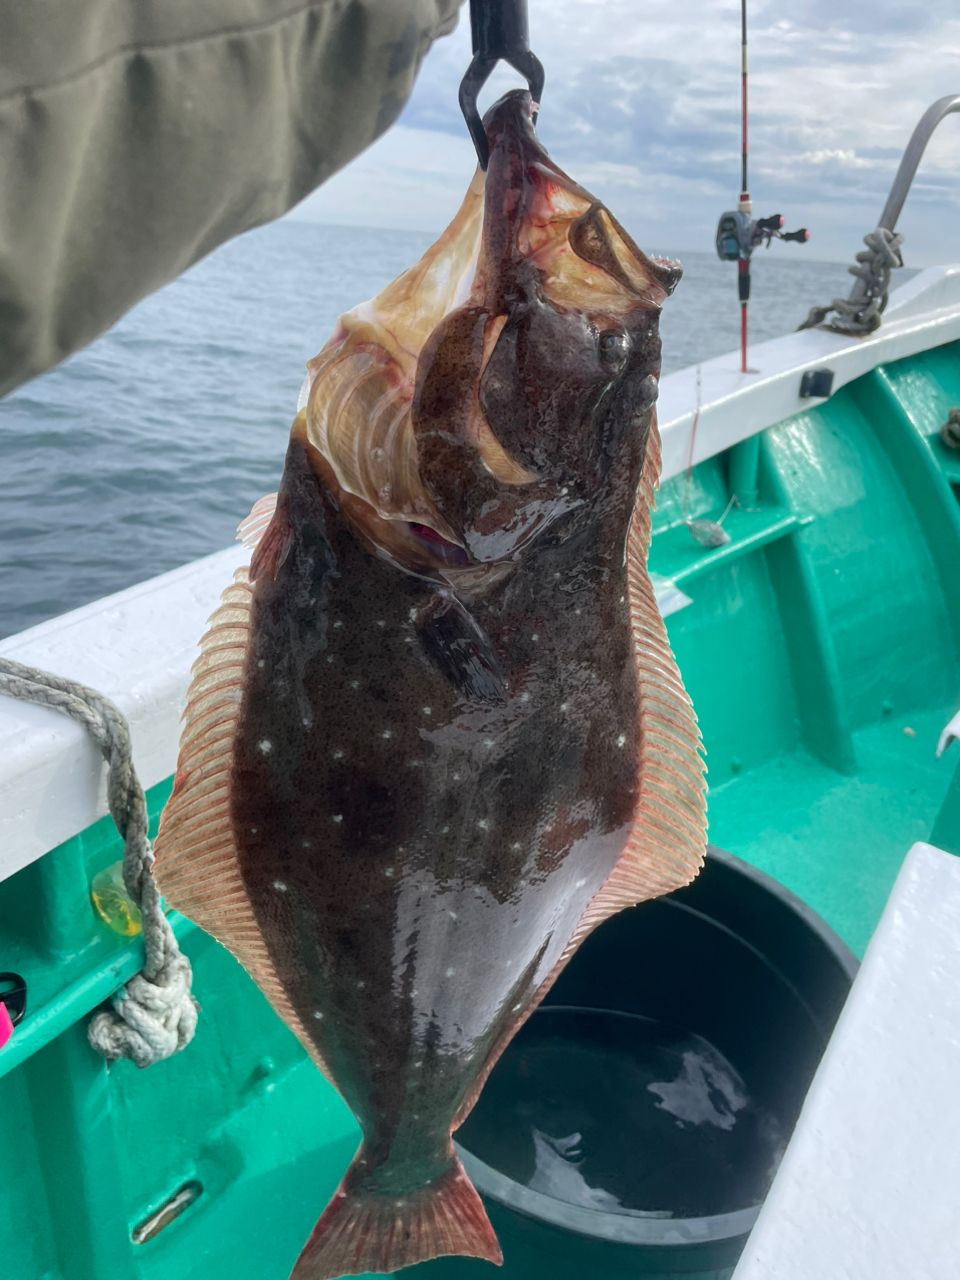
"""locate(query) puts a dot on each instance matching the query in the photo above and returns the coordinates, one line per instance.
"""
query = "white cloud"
(642, 104)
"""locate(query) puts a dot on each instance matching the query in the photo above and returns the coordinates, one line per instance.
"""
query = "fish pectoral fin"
(363, 1230)
(462, 650)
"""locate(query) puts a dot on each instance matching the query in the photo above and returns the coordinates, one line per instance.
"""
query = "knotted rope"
(154, 1015)
(861, 315)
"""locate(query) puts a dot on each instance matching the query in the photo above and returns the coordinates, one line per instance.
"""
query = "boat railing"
(861, 312)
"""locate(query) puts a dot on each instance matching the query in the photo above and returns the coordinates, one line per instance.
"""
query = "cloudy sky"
(642, 106)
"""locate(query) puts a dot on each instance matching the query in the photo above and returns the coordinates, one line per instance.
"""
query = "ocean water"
(144, 451)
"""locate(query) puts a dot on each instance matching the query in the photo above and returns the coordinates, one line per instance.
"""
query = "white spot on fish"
(564, 705)
(253, 831)
(398, 1204)
(280, 886)
(578, 612)
(389, 872)
(452, 915)
(261, 662)
(517, 1008)
(516, 846)
(450, 973)
(354, 684)
(623, 599)
(445, 830)
(338, 817)
(265, 746)
(318, 1015)
(408, 639)
(456, 777)
(381, 623)
(535, 637)
(483, 824)
(524, 697)
(387, 733)
(427, 711)
(308, 844)
(564, 491)
(581, 883)
(306, 722)
(338, 754)
(622, 740)
(412, 614)
(337, 624)
(488, 743)
(329, 657)
(360, 985)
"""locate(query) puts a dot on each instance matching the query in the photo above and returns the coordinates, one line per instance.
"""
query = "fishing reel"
(738, 234)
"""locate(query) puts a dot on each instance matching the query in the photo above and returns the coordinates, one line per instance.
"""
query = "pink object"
(6, 1026)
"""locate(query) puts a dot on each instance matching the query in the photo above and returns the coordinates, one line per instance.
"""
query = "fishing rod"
(738, 232)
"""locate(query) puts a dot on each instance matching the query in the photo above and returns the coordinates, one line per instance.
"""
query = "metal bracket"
(500, 33)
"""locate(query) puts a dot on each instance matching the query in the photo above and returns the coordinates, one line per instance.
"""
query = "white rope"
(154, 1015)
(873, 267)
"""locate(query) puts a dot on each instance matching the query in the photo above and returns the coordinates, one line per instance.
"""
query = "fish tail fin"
(362, 1231)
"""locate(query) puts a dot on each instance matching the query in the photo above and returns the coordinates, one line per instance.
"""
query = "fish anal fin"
(196, 855)
(668, 838)
(361, 1232)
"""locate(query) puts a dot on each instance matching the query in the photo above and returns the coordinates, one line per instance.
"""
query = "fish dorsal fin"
(196, 855)
(668, 839)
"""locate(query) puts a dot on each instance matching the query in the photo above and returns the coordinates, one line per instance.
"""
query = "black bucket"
(635, 1123)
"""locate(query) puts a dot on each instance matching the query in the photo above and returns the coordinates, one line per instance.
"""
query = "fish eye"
(612, 345)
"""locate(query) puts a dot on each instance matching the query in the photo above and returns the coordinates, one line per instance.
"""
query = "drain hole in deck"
(169, 1211)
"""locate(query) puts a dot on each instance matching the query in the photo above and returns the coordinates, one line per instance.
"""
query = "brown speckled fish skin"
(435, 765)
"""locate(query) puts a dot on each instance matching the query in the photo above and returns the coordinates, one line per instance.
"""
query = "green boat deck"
(821, 651)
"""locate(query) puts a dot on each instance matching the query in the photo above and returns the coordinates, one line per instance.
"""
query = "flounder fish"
(436, 734)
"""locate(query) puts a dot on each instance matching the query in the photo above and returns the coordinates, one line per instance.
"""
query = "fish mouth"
(521, 219)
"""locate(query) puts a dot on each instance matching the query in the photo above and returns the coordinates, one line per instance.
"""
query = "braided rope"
(862, 315)
(154, 1015)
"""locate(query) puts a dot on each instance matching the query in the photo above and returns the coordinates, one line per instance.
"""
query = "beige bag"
(135, 138)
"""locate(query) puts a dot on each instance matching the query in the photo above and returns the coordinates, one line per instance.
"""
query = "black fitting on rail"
(500, 33)
(13, 994)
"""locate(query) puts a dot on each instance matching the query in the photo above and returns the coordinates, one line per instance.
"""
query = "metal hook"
(500, 32)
